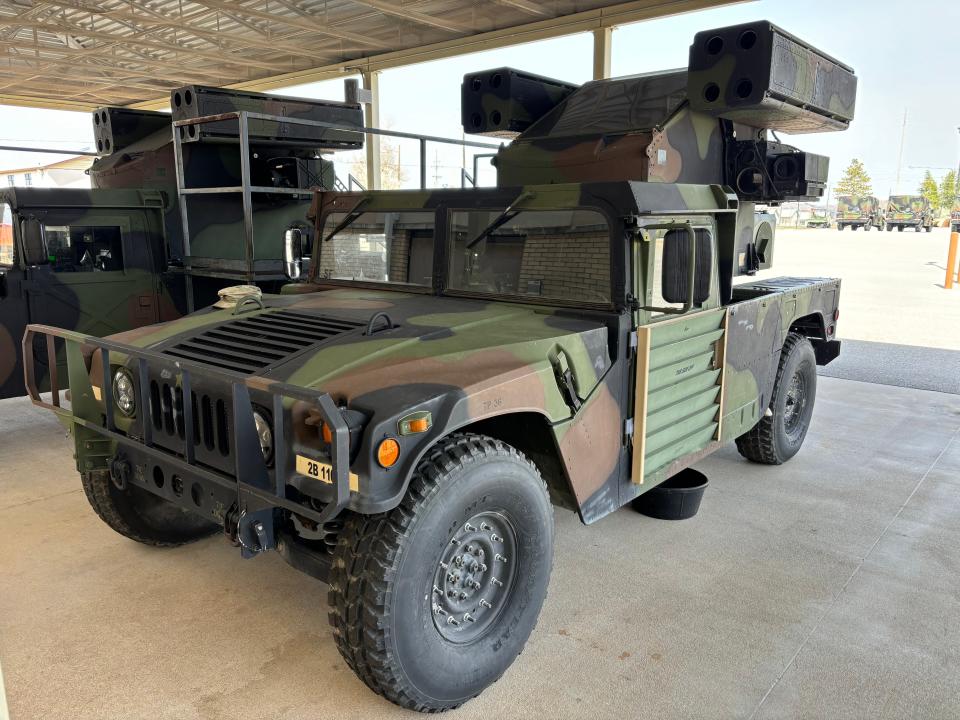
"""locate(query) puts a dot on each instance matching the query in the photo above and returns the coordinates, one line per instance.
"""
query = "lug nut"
(501, 558)
(463, 596)
(484, 603)
(496, 582)
(474, 567)
(468, 527)
(437, 590)
(495, 537)
(443, 565)
(469, 548)
(483, 568)
(458, 561)
(467, 617)
(484, 526)
(454, 542)
(451, 620)
(474, 584)
(439, 610)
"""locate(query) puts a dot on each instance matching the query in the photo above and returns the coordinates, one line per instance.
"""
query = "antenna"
(903, 132)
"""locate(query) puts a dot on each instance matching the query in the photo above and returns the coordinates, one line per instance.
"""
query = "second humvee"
(909, 211)
(399, 425)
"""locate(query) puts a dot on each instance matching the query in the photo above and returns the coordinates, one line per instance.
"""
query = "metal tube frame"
(251, 480)
(246, 189)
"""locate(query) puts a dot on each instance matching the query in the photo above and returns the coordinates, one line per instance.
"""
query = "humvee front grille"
(210, 418)
(252, 343)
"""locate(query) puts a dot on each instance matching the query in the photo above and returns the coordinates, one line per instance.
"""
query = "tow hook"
(120, 472)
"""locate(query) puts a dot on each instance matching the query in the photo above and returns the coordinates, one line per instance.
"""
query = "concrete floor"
(828, 587)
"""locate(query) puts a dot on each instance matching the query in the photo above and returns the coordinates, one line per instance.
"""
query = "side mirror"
(293, 246)
(34, 242)
(676, 274)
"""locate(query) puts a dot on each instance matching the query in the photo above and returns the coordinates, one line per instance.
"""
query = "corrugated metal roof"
(114, 52)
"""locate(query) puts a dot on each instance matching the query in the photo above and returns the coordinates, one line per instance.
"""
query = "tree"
(948, 190)
(855, 180)
(928, 188)
(392, 173)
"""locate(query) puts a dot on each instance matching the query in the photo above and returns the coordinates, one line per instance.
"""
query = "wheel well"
(529, 432)
(811, 326)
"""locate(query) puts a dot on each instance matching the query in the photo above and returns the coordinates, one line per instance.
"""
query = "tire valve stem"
(484, 603)
(501, 558)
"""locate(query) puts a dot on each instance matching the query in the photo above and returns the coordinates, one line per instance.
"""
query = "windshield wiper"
(349, 219)
(504, 217)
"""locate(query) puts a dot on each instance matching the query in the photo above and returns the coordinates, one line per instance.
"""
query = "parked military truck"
(399, 426)
(116, 257)
(909, 211)
(859, 211)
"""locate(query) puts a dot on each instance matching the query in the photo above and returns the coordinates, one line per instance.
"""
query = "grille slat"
(252, 343)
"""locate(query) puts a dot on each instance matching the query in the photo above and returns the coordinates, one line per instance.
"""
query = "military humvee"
(909, 211)
(117, 256)
(859, 211)
(399, 425)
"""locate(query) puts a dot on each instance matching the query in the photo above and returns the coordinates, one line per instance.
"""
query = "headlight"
(124, 394)
(264, 435)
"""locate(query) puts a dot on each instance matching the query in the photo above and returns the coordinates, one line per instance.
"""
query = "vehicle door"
(99, 277)
(680, 342)
(13, 306)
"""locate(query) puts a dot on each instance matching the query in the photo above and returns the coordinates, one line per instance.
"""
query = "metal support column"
(602, 43)
(371, 82)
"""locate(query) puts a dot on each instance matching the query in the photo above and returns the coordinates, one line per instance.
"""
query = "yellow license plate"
(323, 472)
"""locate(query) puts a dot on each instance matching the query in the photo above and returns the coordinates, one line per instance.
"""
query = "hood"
(320, 340)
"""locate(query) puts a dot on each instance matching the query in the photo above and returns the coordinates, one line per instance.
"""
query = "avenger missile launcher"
(399, 425)
(194, 101)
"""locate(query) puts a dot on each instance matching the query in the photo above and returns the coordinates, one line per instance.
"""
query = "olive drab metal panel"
(678, 401)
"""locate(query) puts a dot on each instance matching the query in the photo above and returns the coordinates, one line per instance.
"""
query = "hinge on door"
(634, 340)
(628, 429)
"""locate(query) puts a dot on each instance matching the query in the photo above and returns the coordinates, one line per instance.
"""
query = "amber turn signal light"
(388, 452)
(327, 433)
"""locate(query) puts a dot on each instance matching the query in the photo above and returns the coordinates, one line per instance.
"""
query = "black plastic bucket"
(675, 499)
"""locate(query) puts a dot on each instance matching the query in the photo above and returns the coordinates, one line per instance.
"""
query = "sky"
(903, 64)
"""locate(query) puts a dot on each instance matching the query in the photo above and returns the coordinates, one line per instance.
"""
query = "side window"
(6, 235)
(392, 247)
(85, 248)
(529, 253)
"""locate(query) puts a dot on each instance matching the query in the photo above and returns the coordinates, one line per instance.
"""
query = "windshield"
(385, 247)
(907, 203)
(557, 255)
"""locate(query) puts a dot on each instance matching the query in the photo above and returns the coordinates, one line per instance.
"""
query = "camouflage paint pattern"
(909, 211)
(858, 210)
(88, 300)
(510, 364)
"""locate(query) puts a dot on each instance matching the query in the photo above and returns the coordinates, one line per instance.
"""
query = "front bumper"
(244, 501)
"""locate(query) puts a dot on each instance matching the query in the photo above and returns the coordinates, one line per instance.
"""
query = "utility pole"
(903, 133)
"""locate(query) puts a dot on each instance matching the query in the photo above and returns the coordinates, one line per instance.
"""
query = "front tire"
(431, 602)
(778, 437)
(142, 516)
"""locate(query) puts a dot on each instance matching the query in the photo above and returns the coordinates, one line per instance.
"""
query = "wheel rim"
(474, 577)
(795, 403)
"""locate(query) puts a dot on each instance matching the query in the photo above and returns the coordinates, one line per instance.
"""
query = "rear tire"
(142, 516)
(777, 438)
(406, 586)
